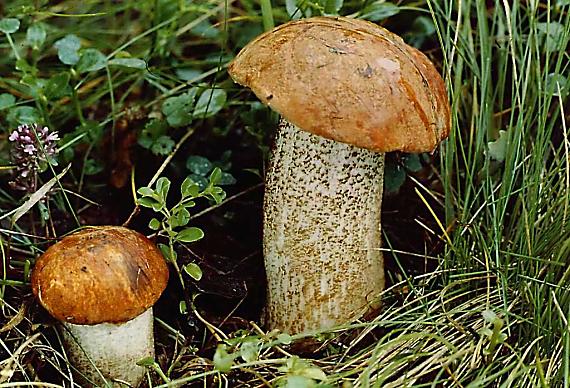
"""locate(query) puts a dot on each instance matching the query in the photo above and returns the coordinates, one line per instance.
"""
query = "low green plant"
(173, 220)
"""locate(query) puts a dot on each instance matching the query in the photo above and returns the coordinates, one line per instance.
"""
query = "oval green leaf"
(189, 235)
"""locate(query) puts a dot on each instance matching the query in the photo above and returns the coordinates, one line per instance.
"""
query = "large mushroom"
(101, 284)
(348, 91)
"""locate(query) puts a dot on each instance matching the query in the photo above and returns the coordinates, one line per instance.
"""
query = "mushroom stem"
(109, 352)
(321, 231)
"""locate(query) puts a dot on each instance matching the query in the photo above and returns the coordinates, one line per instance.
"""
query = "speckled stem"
(109, 352)
(321, 231)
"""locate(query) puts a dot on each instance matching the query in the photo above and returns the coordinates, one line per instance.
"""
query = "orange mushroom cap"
(348, 80)
(100, 275)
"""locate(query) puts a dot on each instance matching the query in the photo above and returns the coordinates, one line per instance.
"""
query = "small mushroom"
(348, 91)
(101, 284)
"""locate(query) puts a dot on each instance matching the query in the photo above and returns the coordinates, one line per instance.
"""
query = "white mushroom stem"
(321, 231)
(109, 352)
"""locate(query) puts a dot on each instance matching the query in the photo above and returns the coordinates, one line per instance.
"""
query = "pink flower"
(14, 136)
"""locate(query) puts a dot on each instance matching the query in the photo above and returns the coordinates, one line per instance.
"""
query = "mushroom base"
(321, 232)
(109, 352)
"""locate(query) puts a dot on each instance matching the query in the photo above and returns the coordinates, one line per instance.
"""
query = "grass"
(494, 310)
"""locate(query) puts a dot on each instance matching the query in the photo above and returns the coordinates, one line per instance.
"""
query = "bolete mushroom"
(348, 91)
(101, 284)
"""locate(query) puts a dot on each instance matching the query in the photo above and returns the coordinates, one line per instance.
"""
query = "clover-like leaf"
(199, 165)
(68, 49)
(249, 349)
(57, 86)
(23, 115)
(91, 60)
(163, 145)
(36, 35)
(7, 100)
(553, 33)
(9, 25)
(178, 110)
(210, 103)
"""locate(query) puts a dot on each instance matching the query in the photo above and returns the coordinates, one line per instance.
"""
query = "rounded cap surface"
(348, 80)
(100, 274)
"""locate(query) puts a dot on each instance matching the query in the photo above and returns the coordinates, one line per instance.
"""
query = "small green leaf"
(201, 181)
(91, 60)
(422, 27)
(182, 307)
(68, 49)
(553, 33)
(154, 224)
(187, 73)
(182, 216)
(217, 194)
(167, 253)
(222, 360)
(23, 115)
(9, 25)
(489, 316)
(149, 202)
(189, 235)
(332, 7)
(249, 350)
(216, 176)
(199, 165)
(36, 35)
(314, 373)
(297, 9)
(162, 146)
(133, 63)
(194, 271)
(210, 103)
(162, 187)
(205, 29)
(25, 67)
(189, 188)
(146, 191)
(178, 110)
(498, 148)
(227, 179)
(6, 100)
(295, 381)
(147, 361)
(284, 338)
(57, 86)
(379, 10)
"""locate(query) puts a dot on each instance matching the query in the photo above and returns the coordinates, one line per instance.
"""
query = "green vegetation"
(138, 94)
